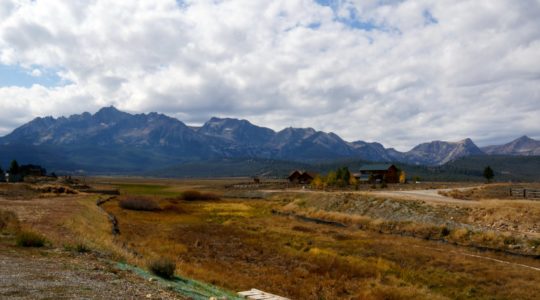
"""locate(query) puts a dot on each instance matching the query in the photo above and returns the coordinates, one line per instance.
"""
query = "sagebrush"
(139, 203)
(193, 195)
(162, 267)
(30, 239)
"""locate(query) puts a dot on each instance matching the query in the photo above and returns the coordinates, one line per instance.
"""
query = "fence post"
(524, 193)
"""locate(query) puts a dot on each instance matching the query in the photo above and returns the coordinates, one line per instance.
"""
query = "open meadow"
(304, 244)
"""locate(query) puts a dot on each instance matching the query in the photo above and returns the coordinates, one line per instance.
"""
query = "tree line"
(17, 172)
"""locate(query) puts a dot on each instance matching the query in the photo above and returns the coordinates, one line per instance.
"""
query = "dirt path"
(431, 195)
(57, 274)
(425, 195)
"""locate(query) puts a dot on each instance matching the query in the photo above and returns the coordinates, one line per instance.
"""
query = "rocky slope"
(522, 146)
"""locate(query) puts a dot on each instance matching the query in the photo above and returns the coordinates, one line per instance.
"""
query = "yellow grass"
(239, 244)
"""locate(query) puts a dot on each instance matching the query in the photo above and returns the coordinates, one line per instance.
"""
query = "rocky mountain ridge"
(523, 146)
(113, 136)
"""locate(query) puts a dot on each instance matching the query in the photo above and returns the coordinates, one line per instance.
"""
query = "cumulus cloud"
(398, 72)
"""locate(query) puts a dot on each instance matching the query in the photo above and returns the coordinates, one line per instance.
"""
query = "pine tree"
(488, 173)
(346, 175)
(14, 168)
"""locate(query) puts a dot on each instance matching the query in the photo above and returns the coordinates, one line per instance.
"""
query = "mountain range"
(114, 141)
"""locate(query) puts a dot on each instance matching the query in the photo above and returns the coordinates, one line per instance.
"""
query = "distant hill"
(115, 142)
(524, 146)
(440, 152)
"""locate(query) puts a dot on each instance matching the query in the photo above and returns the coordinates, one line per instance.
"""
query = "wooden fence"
(525, 193)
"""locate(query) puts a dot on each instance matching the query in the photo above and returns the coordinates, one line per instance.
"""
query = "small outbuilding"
(373, 173)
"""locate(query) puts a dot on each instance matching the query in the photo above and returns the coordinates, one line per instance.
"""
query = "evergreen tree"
(346, 175)
(488, 173)
(14, 168)
(339, 174)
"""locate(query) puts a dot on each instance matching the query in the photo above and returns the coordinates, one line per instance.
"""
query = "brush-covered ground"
(254, 239)
(371, 247)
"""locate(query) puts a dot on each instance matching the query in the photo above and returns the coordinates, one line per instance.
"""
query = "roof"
(298, 173)
(376, 167)
(312, 175)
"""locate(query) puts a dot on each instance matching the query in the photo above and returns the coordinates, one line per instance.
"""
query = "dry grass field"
(274, 240)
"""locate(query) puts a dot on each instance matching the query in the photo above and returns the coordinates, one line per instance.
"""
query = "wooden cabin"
(374, 173)
(293, 177)
(301, 177)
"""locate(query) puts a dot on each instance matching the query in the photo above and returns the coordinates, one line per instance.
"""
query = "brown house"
(301, 177)
(378, 173)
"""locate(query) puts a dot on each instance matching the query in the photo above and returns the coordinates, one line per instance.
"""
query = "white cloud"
(425, 70)
(36, 73)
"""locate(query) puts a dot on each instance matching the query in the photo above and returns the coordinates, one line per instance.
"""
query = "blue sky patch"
(353, 20)
(429, 18)
(14, 75)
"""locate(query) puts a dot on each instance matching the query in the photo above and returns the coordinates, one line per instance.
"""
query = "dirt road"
(431, 195)
(425, 195)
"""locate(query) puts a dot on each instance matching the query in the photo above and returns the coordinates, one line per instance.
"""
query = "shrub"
(30, 239)
(192, 195)
(162, 267)
(79, 247)
(82, 248)
(139, 203)
(445, 231)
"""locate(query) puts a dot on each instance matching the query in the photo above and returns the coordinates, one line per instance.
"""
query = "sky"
(395, 72)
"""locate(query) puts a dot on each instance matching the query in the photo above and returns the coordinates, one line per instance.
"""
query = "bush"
(79, 247)
(163, 267)
(193, 195)
(30, 239)
(139, 203)
(445, 231)
(82, 248)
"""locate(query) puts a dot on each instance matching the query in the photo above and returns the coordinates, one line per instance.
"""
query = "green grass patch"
(184, 286)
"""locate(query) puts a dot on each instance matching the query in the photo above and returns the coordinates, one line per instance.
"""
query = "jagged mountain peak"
(110, 114)
(220, 123)
(441, 152)
(524, 138)
(157, 135)
(237, 131)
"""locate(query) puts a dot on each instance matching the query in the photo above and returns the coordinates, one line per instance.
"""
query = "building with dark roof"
(373, 173)
(301, 177)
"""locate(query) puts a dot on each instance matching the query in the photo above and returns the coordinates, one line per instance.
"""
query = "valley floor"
(301, 245)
